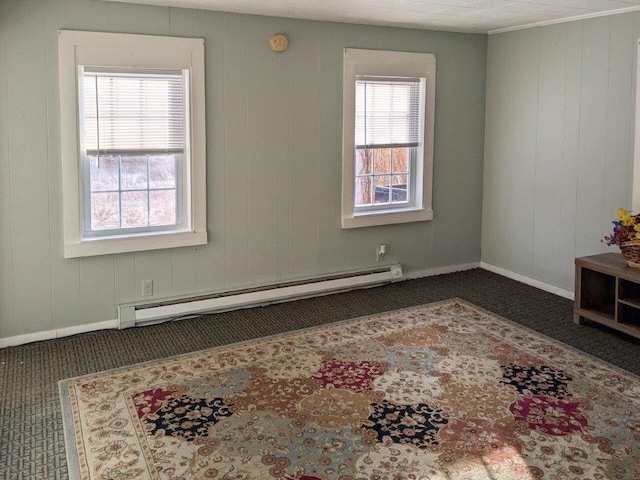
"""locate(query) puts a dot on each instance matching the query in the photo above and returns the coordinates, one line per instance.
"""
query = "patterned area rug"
(439, 391)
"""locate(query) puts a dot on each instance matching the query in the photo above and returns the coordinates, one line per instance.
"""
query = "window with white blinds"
(387, 112)
(133, 138)
(133, 142)
(387, 137)
(133, 112)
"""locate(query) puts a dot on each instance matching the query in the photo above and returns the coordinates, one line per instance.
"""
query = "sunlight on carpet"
(443, 391)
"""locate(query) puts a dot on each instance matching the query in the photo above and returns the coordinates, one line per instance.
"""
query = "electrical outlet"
(381, 252)
(147, 288)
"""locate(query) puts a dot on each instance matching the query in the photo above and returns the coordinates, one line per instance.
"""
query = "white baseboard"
(430, 272)
(57, 333)
(528, 281)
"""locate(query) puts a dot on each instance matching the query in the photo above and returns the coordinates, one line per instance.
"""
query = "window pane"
(363, 191)
(382, 181)
(162, 171)
(134, 209)
(401, 160)
(162, 207)
(364, 160)
(105, 211)
(399, 181)
(104, 174)
(399, 195)
(134, 172)
(383, 161)
(381, 195)
(399, 188)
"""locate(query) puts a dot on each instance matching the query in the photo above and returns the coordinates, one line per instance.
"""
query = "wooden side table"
(608, 292)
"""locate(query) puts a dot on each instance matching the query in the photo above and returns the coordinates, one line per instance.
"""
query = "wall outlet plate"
(147, 288)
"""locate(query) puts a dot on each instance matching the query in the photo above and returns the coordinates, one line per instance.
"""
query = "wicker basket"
(631, 252)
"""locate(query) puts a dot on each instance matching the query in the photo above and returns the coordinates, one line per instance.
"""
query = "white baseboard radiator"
(141, 313)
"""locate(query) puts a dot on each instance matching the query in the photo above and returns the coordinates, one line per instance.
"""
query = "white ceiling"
(474, 16)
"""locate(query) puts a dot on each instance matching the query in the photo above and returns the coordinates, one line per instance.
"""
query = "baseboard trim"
(430, 272)
(57, 333)
(528, 281)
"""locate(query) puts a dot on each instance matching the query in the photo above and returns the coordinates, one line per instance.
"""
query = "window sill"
(386, 217)
(137, 243)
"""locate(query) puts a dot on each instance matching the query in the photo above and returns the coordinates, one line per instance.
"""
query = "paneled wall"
(273, 158)
(559, 143)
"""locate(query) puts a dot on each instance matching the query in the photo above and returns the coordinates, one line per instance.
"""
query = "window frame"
(140, 52)
(381, 63)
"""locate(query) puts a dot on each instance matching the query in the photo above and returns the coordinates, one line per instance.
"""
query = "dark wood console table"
(608, 292)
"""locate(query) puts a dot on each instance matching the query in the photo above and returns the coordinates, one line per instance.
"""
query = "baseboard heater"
(139, 313)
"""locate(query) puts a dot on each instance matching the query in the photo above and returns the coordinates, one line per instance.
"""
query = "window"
(389, 109)
(387, 138)
(133, 142)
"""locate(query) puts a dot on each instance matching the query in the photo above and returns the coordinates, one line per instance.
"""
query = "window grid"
(90, 228)
(393, 172)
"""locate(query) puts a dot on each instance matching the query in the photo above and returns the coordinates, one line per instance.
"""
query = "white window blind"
(387, 112)
(133, 112)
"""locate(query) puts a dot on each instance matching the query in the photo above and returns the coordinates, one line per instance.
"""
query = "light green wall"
(274, 157)
(559, 143)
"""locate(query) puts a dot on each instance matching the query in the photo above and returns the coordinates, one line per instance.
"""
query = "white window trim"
(387, 63)
(129, 51)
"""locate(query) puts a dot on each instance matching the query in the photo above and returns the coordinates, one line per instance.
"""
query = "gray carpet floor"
(31, 432)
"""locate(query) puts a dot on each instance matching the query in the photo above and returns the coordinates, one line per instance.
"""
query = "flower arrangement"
(625, 229)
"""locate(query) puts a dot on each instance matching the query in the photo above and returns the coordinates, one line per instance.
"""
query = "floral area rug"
(438, 391)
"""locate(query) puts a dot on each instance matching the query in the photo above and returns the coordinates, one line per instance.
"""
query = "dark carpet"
(31, 435)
